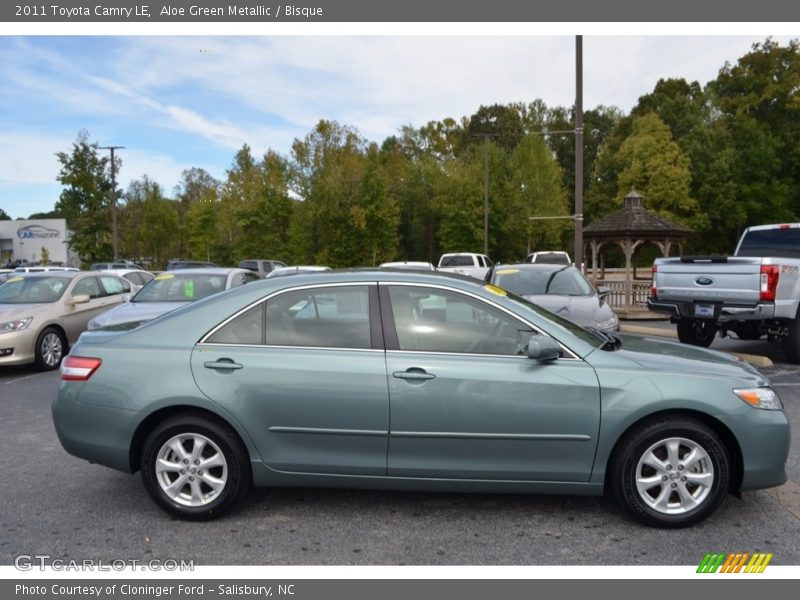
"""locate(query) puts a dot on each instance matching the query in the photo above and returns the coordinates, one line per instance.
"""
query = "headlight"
(92, 325)
(17, 325)
(610, 323)
(764, 397)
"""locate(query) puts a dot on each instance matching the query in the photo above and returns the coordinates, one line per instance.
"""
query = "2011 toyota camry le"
(406, 380)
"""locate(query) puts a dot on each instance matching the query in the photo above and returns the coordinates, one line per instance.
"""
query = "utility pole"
(486, 137)
(114, 236)
(578, 254)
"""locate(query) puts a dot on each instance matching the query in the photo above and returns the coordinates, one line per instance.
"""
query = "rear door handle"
(223, 364)
(414, 374)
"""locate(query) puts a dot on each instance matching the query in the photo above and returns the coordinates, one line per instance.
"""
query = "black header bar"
(463, 11)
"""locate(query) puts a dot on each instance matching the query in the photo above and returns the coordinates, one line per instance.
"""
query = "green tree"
(85, 199)
(328, 166)
(652, 163)
(537, 192)
(264, 209)
(196, 185)
(4, 215)
(150, 222)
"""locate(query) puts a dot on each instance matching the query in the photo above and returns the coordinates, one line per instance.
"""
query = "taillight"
(769, 281)
(653, 290)
(79, 368)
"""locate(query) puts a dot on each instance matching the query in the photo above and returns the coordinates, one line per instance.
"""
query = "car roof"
(43, 274)
(536, 267)
(205, 271)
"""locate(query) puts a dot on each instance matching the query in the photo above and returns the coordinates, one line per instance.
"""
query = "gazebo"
(629, 229)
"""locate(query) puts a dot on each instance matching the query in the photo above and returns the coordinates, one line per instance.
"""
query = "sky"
(181, 101)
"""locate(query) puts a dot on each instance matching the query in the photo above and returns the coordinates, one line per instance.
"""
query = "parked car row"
(142, 296)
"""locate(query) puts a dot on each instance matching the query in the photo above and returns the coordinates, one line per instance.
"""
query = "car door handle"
(223, 364)
(413, 373)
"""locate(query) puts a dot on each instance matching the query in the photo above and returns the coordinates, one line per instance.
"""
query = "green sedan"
(392, 380)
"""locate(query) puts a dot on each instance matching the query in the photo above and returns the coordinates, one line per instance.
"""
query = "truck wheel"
(791, 343)
(696, 332)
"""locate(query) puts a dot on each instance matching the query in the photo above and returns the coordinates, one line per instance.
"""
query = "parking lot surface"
(55, 504)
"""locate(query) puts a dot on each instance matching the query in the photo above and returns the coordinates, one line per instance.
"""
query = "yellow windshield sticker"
(164, 276)
(495, 290)
(507, 271)
(14, 279)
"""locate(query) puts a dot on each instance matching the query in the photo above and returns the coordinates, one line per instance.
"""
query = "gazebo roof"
(634, 220)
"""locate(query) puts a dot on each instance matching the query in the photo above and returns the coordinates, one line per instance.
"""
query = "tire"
(696, 332)
(791, 343)
(184, 489)
(657, 492)
(50, 349)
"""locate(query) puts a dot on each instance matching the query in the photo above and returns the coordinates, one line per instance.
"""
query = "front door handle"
(414, 374)
(223, 364)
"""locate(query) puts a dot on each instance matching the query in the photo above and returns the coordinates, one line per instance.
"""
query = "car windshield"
(533, 282)
(180, 287)
(32, 290)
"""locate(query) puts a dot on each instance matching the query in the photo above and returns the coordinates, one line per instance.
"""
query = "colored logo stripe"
(734, 563)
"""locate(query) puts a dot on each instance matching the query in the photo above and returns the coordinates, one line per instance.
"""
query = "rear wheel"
(696, 332)
(670, 472)
(195, 468)
(49, 351)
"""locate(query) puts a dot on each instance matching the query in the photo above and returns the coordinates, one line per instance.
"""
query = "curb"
(754, 359)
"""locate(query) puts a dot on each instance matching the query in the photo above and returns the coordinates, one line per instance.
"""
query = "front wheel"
(696, 332)
(49, 349)
(195, 468)
(670, 472)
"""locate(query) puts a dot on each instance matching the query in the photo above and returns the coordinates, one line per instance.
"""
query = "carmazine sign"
(37, 232)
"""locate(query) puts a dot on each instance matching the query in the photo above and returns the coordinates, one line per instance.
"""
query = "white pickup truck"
(465, 263)
(752, 294)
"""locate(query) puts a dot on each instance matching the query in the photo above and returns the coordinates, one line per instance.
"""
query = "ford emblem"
(704, 280)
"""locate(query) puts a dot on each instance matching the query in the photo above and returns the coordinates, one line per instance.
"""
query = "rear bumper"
(722, 312)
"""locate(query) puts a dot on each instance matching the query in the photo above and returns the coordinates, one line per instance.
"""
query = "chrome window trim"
(284, 347)
(570, 355)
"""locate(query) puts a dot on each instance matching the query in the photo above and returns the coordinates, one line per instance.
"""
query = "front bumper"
(17, 347)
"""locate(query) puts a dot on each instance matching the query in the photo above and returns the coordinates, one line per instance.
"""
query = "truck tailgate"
(737, 281)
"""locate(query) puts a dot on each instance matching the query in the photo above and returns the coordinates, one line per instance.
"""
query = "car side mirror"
(79, 299)
(603, 293)
(541, 347)
(126, 297)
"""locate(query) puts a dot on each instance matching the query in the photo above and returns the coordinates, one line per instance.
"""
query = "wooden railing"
(640, 289)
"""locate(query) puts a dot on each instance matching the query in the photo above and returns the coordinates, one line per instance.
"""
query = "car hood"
(583, 310)
(136, 312)
(657, 354)
(9, 312)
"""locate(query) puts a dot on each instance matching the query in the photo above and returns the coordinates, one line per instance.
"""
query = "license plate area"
(704, 311)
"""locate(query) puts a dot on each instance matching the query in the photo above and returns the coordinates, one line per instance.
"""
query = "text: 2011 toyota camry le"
(378, 379)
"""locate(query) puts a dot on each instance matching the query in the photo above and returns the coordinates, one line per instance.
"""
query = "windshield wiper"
(550, 279)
